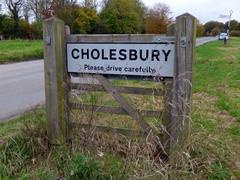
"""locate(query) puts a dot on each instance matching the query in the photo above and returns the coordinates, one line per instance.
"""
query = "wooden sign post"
(56, 80)
(185, 40)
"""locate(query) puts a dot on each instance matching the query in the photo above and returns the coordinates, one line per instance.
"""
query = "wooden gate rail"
(119, 38)
(135, 78)
(114, 110)
(111, 130)
(121, 89)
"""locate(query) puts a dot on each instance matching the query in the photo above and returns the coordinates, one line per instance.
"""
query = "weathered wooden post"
(168, 85)
(56, 80)
(185, 39)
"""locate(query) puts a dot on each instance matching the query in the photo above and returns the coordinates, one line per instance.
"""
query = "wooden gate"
(176, 90)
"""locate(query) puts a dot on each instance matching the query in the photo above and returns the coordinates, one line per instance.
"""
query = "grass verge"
(213, 149)
(20, 50)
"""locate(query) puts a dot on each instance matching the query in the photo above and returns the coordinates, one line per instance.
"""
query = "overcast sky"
(204, 10)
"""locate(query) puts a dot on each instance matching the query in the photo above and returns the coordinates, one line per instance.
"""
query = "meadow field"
(214, 142)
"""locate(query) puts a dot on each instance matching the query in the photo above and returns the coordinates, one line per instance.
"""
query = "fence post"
(166, 120)
(185, 39)
(56, 80)
(67, 90)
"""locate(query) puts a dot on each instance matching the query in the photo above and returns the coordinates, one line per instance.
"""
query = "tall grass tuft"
(23, 148)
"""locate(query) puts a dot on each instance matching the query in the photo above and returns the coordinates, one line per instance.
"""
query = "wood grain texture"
(146, 38)
(182, 85)
(121, 89)
(167, 116)
(168, 95)
(67, 89)
(113, 110)
(111, 130)
(55, 78)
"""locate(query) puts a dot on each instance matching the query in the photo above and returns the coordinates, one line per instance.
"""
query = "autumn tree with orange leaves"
(157, 19)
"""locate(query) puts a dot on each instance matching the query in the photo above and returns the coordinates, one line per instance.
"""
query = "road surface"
(204, 40)
(22, 86)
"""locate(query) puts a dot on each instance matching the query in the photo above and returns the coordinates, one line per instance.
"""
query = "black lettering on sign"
(166, 54)
(85, 53)
(155, 55)
(113, 54)
(104, 57)
(132, 54)
(123, 55)
(95, 54)
(142, 57)
(85, 66)
(74, 54)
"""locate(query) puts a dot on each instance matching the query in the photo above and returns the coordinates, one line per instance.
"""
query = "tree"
(2, 18)
(15, 6)
(122, 16)
(26, 31)
(46, 8)
(35, 7)
(91, 4)
(6, 26)
(209, 26)
(80, 19)
(215, 31)
(200, 29)
(157, 19)
(233, 25)
(141, 9)
(37, 29)
(85, 20)
(26, 13)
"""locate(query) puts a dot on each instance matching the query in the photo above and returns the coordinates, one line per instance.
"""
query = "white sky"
(204, 10)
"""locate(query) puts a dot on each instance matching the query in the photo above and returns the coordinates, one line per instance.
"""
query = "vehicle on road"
(223, 36)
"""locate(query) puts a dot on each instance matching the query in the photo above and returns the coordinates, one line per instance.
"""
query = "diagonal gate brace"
(123, 103)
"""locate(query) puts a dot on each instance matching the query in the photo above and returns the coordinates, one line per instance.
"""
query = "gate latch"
(183, 42)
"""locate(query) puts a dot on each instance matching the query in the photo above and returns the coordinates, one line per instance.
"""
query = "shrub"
(84, 167)
(235, 33)
(7, 27)
(25, 30)
(23, 148)
(37, 29)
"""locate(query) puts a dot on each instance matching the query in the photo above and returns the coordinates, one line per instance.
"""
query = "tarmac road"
(204, 40)
(22, 86)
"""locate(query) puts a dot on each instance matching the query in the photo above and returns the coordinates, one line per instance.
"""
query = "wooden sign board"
(138, 59)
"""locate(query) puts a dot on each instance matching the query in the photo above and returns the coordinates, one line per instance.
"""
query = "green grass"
(214, 141)
(216, 106)
(20, 50)
(217, 73)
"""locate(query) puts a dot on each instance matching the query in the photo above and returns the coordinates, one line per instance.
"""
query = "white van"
(222, 36)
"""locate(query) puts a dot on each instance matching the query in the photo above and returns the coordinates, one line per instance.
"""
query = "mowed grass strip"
(216, 109)
(217, 73)
(20, 50)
